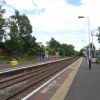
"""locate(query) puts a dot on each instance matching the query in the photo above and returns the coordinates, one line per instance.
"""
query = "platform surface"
(86, 85)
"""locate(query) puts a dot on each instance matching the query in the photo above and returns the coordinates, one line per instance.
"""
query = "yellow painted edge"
(63, 90)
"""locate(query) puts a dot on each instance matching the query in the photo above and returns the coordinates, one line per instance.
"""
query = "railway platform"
(4, 67)
(76, 82)
(9, 66)
(86, 85)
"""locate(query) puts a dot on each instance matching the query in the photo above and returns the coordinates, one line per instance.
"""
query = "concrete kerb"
(63, 90)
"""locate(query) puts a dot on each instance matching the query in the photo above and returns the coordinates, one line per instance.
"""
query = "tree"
(86, 49)
(63, 49)
(2, 24)
(61, 52)
(3, 34)
(71, 50)
(20, 33)
(51, 51)
(53, 44)
(92, 49)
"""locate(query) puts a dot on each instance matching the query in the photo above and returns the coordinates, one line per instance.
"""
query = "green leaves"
(21, 39)
(63, 49)
(54, 44)
(2, 24)
(23, 43)
(98, 34)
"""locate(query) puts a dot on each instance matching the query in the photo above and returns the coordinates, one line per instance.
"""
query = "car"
(93, 60)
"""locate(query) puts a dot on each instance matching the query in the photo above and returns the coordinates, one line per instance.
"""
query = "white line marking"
(29, 95)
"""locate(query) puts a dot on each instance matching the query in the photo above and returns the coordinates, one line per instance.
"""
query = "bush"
(5, 57)
(98, 58)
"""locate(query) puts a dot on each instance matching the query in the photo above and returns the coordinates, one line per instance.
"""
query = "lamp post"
(89, 38)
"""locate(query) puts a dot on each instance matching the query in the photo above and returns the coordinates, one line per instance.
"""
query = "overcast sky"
(59, 19)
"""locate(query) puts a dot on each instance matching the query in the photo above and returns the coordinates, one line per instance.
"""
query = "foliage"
(20, 33)
(53, 44)
(98, 34)
(30, 54)
(63, 49)
(2, 11)
(21, 41)
(92, 47)
(86, 49)
(51, 51)
(2, 24)
(69, 49)
(4, 58)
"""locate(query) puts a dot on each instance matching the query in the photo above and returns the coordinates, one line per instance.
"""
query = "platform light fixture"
(79, 17)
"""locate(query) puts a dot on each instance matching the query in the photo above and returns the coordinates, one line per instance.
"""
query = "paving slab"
(86, 84)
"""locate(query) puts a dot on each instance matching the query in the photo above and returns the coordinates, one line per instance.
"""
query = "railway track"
(17, 86)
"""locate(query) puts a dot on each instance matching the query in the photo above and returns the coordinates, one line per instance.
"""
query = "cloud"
(58, 19)
(57, 16)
